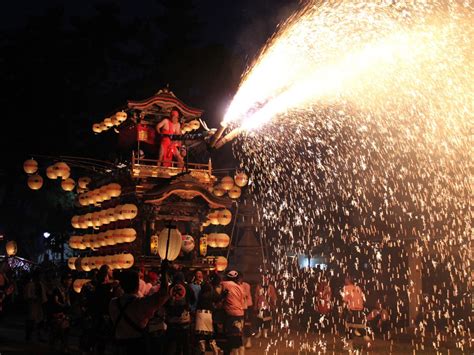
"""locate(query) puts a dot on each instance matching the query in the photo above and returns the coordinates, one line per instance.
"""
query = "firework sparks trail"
(357, 120)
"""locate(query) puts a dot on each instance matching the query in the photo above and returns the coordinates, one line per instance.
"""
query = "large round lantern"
(109, 237)
(241, 179)
(35, 182)
(86, 240)
(129, 235)
(214, 217)
(108, 122)
(121, 116)
(94, 243)
(92, 264)
(96, 128)
(224, 217)
(83, 182)
(235, 192)
(78, 284)
(104, 191)
(118, 236)
(194, 124)
(154, 244)
(117, 261)
(114, 190)
(187, 244)
(75, 222)
(227, 183)
(222, 240)
(11, 248)
(126, 260)
(72, 242)
(71, 263)
(129, 211)
(218, 191)
(30, 166)
(169, 243)
(83, 199)
(96, 220)
(115, 121)
(206, 223)
(51, 172)
(101, 240)
(203, 245)
(212, 240)
(62, 170)
(111, 215)
(221, 263)
(118, 213)
(103, 127)
(85, 264)
(97, 196)
(88, 219)
(68, 184)
(104, 217)
(90, 197)
(83, 222)
(99, 261)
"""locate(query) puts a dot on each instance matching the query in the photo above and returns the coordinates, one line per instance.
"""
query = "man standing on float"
(168, 148)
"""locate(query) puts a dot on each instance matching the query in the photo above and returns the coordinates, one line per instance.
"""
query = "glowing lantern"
(111, 215)
(85, 266)
(97, 196)
(129, 211)
(35, 182)
(104, 191)
(241, 179)
(71, 263)
(118, 213)
(108, 261)
(222, 240)
(68, 184)
(62, 170)
(186, 128)
(103, 127)
(187, 243)
(115, 121)
(118, 236)
(11, 248)
(169, 243)
(126, 260)
(51, 172)
(129, 235)
(72, 242)
(83, 199)
(90, 198)
(227, 183)
(83, 182)
(86, 240)
(114, 190)
(109, 237)
(218, 191)
(108, 122)
(99, 261)
(78, 284)
(94, 243)
(101, 242)
(117, 261)
(75, 222)
(30, 166)
(203, 245)
(212, 240)
(235, 192)
(206, 223)
(121, 116)
(96, 128)
(82, 222)
(92, 264)
(214, 217)
(96, 220)
(194, 124)
(224, 217)
(154, 244)
(221, 263)
(88, 219)
(104, 217)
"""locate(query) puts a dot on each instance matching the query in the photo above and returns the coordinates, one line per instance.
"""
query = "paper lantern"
(108, 122)
(203, 245)
(71, 263)
(77, 285)
(83, 199)
(117, 261)
(75, 222)
(227, 183)
(104, 217)
(212, 240)
(99, 261)
(85, 264)
(222, 240)
(114, 190)
(221, 263)
(118, 213)
(108, 261)
(187, 243)
(96, 222)
(82, 222)
(121, 116)
(88, 219)
(83, 182)
(154, 244)
(129, 211)
(68, 184)
(118, 236)
(109, 237)
(11, 248)
(51, 172)
(194, 124)
(94, 243)
(235, 192)
(214, 217)
(169, 243)
(62, 170)
(206, 223)
(86, 240)
(111, 215)
(129, 235)
(30, 166)
(186, 128)
(90, 197)
(103, 127)
(72, 242)
(115, 121)
(104, 191)
(218, 191)
(241, 179)
(101, 242)
(96, 128)
(35, 182)
(224, 217)
(97, 195)
(92, 264)
(126, 260)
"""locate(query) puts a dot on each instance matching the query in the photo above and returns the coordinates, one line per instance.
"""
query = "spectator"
(248, 303)
(58, 312)
(265, 303)
(234, 313)
(323, 302)
(35, 297)
(379, 319)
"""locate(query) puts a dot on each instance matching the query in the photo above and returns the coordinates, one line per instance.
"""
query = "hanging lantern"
(62, 170)
(235, 192)
(224, 217)
(85, 264)
(126, 260)
(90, 198)
(108, 122)
(154, 244)
(11, 248)
(117, 261)
(187, 243)
(118, 213)
(71, 263)
(78, 283)
(104, 191)
(222, 240)
(186, 128)
(227, 183)
(108, 261)
(212, 240)
(96, 220)
(82, 222)
(97, 196)
(218, 191)
(94, 244)
(129, 235)
(114, 190)
(214, 217)
(203, 245)
(129, 211)
(103, 127)
(96, 128)
(68, 184)
(88, 219)
(83, 182)
(110, 215)
(51, 172)
(194, 124)
(115, 121)
(75, 222)
(72, 242)
(241, 179)
(206, 223)
(83, 199)
(121, 116)
(101, 242)
(92, 264)
(169, 243)
(35, 182)
(30, 166)
(221, 263)
(86, 240)
(118, 236)
(99, 261)
(109, 237)
(104, 217)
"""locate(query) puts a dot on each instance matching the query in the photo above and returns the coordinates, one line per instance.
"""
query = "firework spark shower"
(356, 120)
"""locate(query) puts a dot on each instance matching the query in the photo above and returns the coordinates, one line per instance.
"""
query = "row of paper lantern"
(220, 262)
(187, 244)
(109, 122)
(216, 217)
(101, 194)
(218, 240)
(107, 238)
(103, 217)
(190, 126)
(231, 186)
(88, 263)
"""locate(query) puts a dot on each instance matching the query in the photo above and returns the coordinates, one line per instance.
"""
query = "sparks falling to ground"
(356, 120)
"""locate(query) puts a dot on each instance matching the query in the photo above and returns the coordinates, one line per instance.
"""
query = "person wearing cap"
(234, 309)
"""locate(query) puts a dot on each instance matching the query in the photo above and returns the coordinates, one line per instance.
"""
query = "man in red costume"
(169, 148)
